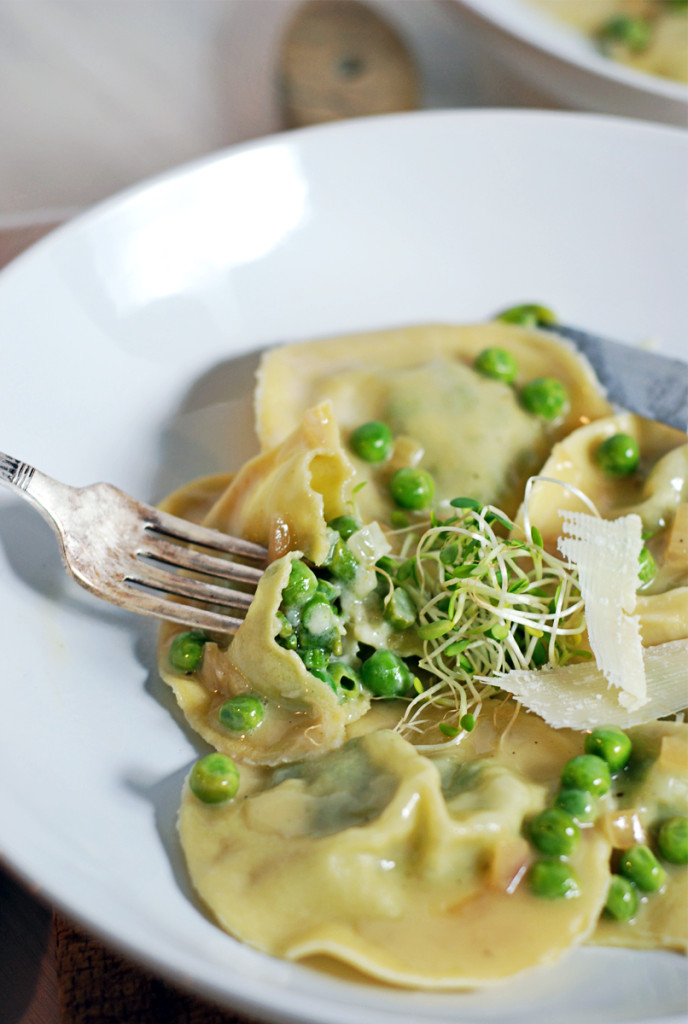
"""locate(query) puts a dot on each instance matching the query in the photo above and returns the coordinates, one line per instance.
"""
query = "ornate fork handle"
(140, 557)
(15, 472)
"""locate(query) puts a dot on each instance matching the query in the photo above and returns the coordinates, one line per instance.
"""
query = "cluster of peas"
(215, 777)
(544, 396)
(413, 488)
(555, 832)
(310, 626)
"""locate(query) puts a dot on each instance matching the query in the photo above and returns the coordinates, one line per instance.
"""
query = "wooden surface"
(340, 59)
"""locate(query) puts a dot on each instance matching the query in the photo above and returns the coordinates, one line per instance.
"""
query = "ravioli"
(387, 825)
(303, 716)
(657, 493)
(409, 869)
(281, 498)
(285, 497)
(656, 788)
(470, 432)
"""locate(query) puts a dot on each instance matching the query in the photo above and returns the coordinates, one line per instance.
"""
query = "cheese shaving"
(579, 697)
(605, 553)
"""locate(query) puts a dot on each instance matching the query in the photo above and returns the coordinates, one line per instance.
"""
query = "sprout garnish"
(486, 604)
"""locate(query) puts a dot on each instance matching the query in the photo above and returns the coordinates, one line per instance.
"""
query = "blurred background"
(97, 94)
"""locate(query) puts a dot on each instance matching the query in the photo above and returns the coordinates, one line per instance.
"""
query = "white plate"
(119, 334)
(562, 64)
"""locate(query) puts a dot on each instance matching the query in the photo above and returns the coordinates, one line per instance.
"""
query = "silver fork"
(137, 556)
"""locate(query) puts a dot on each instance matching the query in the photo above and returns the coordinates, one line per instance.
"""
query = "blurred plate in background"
(563, 65)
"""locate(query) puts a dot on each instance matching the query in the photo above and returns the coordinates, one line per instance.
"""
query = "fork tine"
(181, 529)
(174, 611)
(210, 565)
(185, 586)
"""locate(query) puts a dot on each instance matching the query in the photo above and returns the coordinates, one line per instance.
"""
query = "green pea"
(622, 899)
(618, 455)
(290, 642)
(400, 611)
(497, 363)
(214, 779)
(242, 713)
(632, 32)
(672, 840)
(611, 744)
(529, 314)
(286, 629)
(345, 526)
(647, 567)
(640, 865)
(554, 831)
(588, 772)
(553, 879)
(324, 676)
(329, 590)
(345, 677)
(372, 442)
(186, 650)
(545, 397)
(315, 657)
(385, 674)
(301, 586)
(412, 487)
(342, 562)
(398, 519)
(578, 803)
(318, 622)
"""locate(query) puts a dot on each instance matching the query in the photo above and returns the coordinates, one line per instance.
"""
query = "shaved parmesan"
(605, 552)
(579, 697)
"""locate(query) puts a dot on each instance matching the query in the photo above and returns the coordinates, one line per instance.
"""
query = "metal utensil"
(649, 384)
(138, 557)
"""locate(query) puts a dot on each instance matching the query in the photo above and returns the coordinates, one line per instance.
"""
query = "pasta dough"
(385, 859)
(468, 431)
(282, 498)
(655, 493)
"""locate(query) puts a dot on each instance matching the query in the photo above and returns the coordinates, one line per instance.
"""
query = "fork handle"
(49, 497)
(15, 472)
